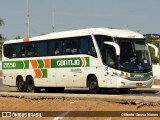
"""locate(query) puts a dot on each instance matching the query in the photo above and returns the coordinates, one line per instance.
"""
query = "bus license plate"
(138, 84)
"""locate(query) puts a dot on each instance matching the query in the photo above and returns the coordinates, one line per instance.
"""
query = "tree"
(151, 39)
(18, 37)
(1, 37)
(1, 22)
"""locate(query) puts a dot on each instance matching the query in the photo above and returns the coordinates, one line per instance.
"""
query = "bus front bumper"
(125, 83)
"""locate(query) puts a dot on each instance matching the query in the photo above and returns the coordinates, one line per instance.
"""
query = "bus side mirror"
(116, 46)
(155, 48)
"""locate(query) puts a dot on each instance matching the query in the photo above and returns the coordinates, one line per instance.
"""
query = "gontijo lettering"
(68, 62)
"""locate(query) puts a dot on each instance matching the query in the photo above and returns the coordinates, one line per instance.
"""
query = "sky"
(137, 15)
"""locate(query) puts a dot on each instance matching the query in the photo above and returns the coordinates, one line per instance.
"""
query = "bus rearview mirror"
(115, 45)
(155, 48)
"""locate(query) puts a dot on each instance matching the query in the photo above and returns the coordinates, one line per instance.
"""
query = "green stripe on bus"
(41, 63)
(26, 62)
(44, 71)
(15, 64)
(70, 62)
(135, 75)
(87, 60)
(55, 63)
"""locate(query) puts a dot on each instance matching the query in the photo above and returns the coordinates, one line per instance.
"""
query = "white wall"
(156, 71)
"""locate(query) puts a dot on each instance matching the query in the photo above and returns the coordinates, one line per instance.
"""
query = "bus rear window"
(9, 51)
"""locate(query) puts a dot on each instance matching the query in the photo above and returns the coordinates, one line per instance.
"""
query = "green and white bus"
(95, 58)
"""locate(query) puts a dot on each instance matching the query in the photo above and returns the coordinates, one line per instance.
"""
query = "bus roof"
(82, 32)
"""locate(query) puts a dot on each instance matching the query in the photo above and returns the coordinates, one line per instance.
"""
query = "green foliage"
(1, 37)
(1, 22)
(63, 98)
(155, 60)
(18, 37)
(150, 39)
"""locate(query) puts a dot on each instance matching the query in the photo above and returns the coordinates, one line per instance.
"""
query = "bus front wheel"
(93, 85)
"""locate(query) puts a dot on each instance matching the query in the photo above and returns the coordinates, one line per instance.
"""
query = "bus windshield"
(134, 55)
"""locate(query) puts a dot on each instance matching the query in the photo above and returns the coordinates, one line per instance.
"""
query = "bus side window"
(71, 46)
(92, 50)
(22, 51)
(66, 46)
(58, 48)
(18, 50)
(87, 46)
(84, 46)
(13, 51)
(9, 52)
(51, 48)
(74, 46)
(35, 49)
(29, 51)
(100, 39)
(41, 49)
(110, 56)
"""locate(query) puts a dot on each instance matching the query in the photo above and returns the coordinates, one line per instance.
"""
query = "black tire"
(93, 85)
(21, 85)
(123, 90)
(30, 85)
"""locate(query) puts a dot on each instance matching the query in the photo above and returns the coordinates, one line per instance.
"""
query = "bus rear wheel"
(21, 85)
(30, 85)
(93, 85)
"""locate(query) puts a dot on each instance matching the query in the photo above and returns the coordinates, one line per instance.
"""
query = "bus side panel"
(75, 77)
(93, 71)
(62, 77)
(42, 77)
(94, 68)
(9, 76)
(111, 78)
(6, 78)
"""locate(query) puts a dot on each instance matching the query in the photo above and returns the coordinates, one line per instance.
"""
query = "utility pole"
(53, 24)
(28, 19)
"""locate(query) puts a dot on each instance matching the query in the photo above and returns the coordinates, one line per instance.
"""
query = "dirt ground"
(68, 104)
(156, 82)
